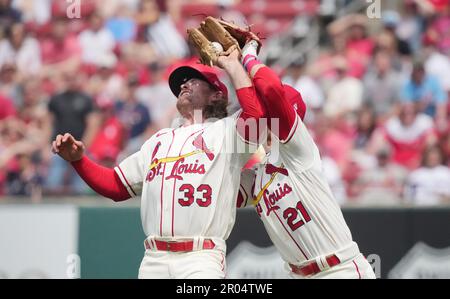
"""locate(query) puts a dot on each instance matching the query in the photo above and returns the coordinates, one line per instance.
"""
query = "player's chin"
(184, 105)
(184, 101)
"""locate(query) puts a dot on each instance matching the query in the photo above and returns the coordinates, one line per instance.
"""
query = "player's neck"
(190, 117)
(188, 121)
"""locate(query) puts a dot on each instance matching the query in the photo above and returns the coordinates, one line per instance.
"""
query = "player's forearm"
(238, 75)
(269, 87)
(102, 180)
(249, 125)
(246, 94)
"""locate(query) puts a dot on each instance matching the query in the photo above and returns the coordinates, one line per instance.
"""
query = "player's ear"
(217, 96)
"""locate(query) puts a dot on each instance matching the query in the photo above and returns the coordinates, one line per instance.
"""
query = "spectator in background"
(345, 96)
(439, 27)
(108, 11)
(33, 112)
(322, 68)
(71, 111)
(408, 134)
(8, 15)
(425, 90)
(365, 126)
(229, 12)
(381, 184)
(122, 24)
(430, 184)
(157, 97)
(397, 47)
(331, 141)
(135, 58)
(161, 32)
(9, 82)
(409, 26)
(311, 92)
(382, 85)
(133, 115)
(35, 11)
(399, 52)
(391, 20)
(333, 175)
(20, 50)
(109, 140)
(437, 64)
(33, 106)
(61, 51)
(445, 146)
(20, 159)
(7, 108)
(96, 41)
(23, 177)
(357, 46)
(106, 83)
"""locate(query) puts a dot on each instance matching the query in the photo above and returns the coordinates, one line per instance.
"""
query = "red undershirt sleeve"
(252, 108)
(271, 92)
(251, 105)
(102, 180)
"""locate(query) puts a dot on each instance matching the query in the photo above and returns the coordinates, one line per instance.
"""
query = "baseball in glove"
(212, 31)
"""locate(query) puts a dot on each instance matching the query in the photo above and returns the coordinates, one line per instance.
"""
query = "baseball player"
(187, 177)
(290, 192)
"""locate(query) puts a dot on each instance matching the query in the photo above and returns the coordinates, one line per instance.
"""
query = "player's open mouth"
(184, 91)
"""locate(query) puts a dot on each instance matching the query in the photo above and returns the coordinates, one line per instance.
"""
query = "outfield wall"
(103, 240)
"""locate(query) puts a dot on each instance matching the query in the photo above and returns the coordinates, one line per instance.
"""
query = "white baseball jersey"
(188, 179)
(296, 205)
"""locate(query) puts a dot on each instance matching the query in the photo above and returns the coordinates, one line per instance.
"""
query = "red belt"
(313, 267)
(179, 246)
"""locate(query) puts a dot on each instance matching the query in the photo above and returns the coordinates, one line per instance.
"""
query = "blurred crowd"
(376, 93)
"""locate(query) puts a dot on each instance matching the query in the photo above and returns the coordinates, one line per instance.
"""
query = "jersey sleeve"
(250, 123)
(298, 151)
(131, 173)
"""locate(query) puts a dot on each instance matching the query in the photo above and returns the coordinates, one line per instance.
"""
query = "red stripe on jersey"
(292, 133)
(126, 181)
(162, 184)
(175, 182)
(240, 199)
(275, 212)
(357, 269)
(222, 262)
(173, 203)
(246, 197)
(270, 169)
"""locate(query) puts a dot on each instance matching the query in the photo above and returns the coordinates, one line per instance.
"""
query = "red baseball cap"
(296, 100)
(186, 72)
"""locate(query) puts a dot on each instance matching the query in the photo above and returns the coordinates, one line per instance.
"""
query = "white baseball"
(217, 46)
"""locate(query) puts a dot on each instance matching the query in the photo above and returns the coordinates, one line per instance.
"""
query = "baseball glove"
(212, 31)
(241, 35)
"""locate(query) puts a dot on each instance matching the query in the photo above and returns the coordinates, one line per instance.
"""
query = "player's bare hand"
(229, 58)
(68, 147)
